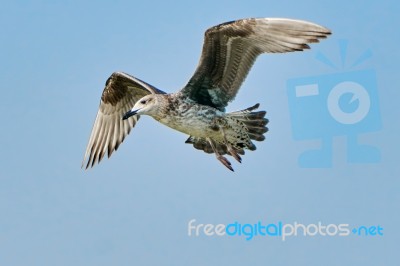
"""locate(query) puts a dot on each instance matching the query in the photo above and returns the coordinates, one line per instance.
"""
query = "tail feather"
(255, 115)
(254, 121)
(257, 137)
(247, 110)
(257, 130)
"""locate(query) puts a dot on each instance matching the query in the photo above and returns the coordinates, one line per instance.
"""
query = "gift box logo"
(344, 103)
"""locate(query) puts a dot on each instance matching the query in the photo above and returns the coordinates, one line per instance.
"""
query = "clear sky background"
(134, 208)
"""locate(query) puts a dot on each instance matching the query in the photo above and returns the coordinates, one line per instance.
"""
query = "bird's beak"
(130, 113)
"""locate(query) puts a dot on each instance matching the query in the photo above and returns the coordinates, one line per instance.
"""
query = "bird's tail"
(254, 121)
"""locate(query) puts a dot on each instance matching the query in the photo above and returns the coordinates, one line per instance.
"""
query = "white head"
(148, 105)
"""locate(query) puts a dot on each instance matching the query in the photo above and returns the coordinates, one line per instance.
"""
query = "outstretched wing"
(230, 50)
(121, 93)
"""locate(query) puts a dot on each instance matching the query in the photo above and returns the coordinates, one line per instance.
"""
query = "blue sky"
(134, 208)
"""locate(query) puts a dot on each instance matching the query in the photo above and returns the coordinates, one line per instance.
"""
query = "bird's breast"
(192, 119)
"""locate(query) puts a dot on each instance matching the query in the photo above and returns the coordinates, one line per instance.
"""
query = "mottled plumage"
(198, 110)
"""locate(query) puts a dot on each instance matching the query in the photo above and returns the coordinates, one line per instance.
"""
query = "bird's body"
(198, 110)
(202, 121)
(187, 116)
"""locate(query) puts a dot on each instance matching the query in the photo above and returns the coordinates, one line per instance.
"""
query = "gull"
(198, 110)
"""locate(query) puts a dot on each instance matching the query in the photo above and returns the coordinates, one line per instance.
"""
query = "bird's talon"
(225, 162)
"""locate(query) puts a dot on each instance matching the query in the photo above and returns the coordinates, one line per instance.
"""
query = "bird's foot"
(221, 158)
(225, 162)
(234, 154)
(231, 150)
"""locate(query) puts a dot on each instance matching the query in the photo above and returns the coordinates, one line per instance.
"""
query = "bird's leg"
(231, 150)
(221, 158)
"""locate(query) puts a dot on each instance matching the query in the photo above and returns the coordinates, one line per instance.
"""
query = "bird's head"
(148, 105)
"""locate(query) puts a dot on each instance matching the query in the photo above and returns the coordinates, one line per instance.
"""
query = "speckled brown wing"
(230, 49)
(120, 94)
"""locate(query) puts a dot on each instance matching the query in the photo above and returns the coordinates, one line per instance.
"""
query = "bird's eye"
(143, 101)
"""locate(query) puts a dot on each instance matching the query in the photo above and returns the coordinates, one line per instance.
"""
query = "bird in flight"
(198, 110)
